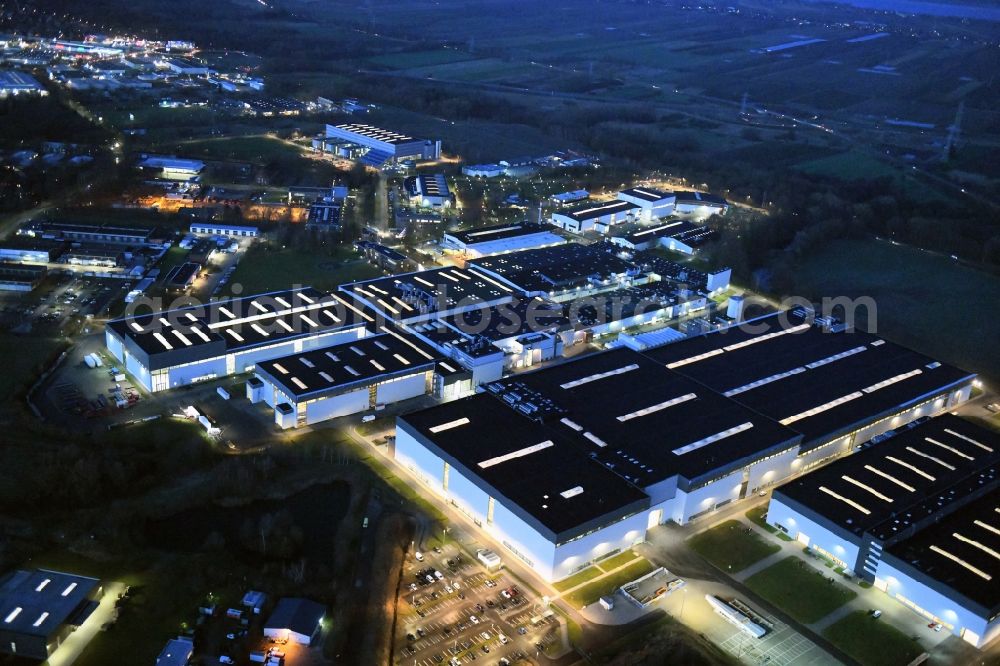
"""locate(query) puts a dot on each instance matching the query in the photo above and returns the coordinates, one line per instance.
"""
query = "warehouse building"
(88, 233)
(676, 235)
(17, 249)
(916, 515)
(659, 268)
(383, 146)
(20, 277)
(699, 205)
(430, 294)
(347, 378)
(40, 608)
(429, 190)
(13, 82)
(484, 241)
(563, 198)
(482, 170)
(598, 217)
(231, 230)
(297, 620)
(172, 348)
(172, 168)
(559, 272)
(834, 386)
(623, 432)
(715, 420)
(654, 204)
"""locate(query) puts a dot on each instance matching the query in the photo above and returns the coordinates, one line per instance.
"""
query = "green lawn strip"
(267, 269)
(591, 592)
(617, 560)
(579, 578)
(731, 547)
(873, 642)
(799, 590)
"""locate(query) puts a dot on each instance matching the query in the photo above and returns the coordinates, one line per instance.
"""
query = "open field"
(926, 301)
(872, 642)
(799, 590)
(267, 268)
(255, 149)
(731, 547)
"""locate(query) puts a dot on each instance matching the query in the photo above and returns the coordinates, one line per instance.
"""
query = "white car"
(448, 589)
(418, 556)
(438, 575)
(503, 639)
(473, 619)
(456, 585)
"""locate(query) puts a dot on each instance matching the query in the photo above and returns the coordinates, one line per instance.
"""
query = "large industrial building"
(347, 378)
(598, 216)
(917, 515)
(383, 146)
(13, 82)
(173, 348)
(690, 427)
(676, 235)
(484, 241)
(429, 190)
(699, 205)
(653, 203)
(40, 608)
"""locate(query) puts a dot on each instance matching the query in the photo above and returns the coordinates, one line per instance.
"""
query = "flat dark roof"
(489, 234)
(650, 194)
(332, 369)
(818, 382)
(598, 209)
(37, 602)
(408, 294)
(644, 421)
(559, 266)
(700, 198)
(960, 552)
(885, 488)
(515, 457)
(238, 323)
(522, 316)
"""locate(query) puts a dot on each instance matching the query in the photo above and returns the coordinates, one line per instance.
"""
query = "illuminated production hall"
(176, 347)
(691, 426)
(917, 514)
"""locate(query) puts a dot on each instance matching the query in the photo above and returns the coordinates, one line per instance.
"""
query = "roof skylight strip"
(845, 500)
(968, 439)
(822, 408)
(449, 425)
(891, 478)
(490, 280)
(977, 544)
(835, 357)
(599, 375)
(892, 380)
(767, 336)
(949, 448)
(930, 457)
(865, 486)
(695, 359)
(762, 382)
(520, 453)
(163, 341)
(657, 407)
(711, 439)
(987, 526)
(408, 342)
(959, 560)
(298, 382)
(910, 467)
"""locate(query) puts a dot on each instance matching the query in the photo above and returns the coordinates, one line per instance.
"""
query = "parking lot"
(467, 614)
(781, 645)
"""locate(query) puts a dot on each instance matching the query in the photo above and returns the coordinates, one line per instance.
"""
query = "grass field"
(419, 58)
(256, 149)
(26, 356)
(872, 642)
(757, 516)
(618, 560)
(799, 590)
(926, 301)
(848, 166)
(591, 592)
(579, 578)
(266, 269)
(730, 547)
